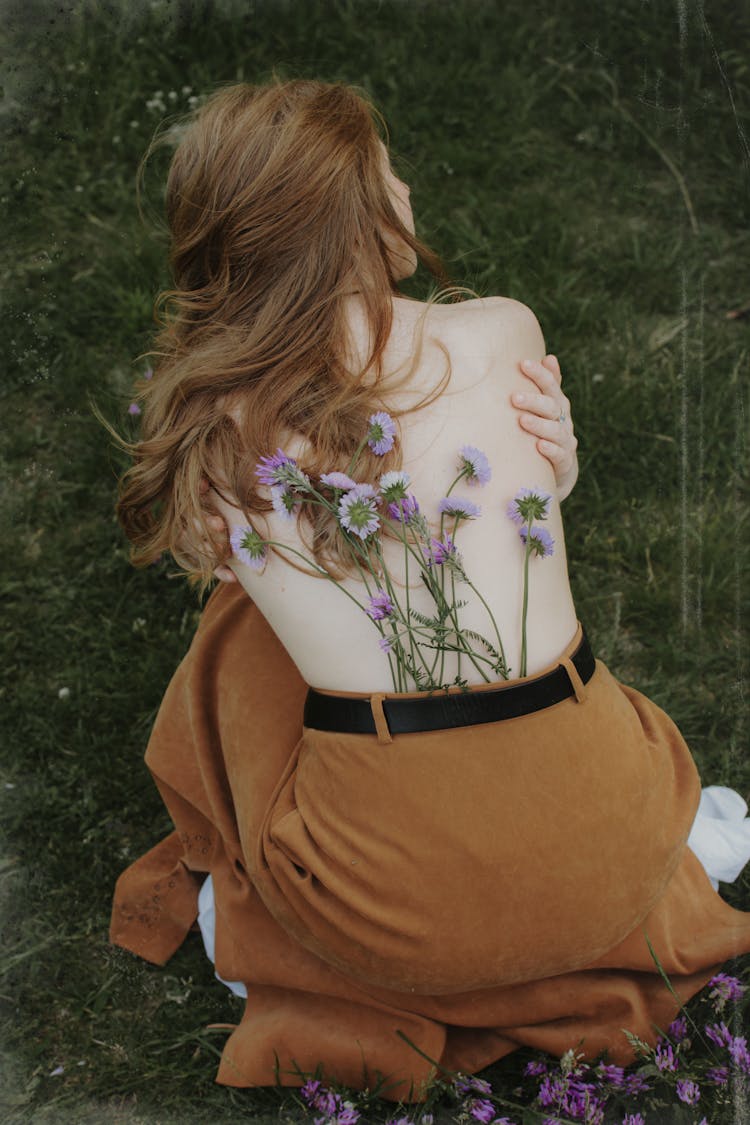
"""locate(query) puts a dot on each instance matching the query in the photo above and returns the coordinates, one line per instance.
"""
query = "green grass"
(591, 161)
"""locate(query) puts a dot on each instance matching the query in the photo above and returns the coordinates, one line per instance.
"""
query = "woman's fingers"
(553, 429)
(225, 574)
(543, 405)
(546, 374)
(552, 365)
(546, 415)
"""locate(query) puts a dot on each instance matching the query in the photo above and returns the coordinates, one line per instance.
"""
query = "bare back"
(332, 642)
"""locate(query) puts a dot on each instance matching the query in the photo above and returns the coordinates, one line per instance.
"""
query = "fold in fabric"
(719, 837)
(465, 893)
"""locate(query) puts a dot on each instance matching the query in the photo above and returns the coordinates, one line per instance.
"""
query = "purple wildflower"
(608, 1072)
(725, 988)
(474, 465)
(346, 1116)
(284, 501)
(134, 409)
(482, 1110)
(461, 509)
(552, 1090)
(472, 1085)
(275, 469)
(337, 480)
(310, 1089)
(386, 643)
(678, 1029)
(572, 1097)
(393, 485)
(738, 1053)
(688, 1091)
(535, 1068)
(541, 541)
(382, 432)
(404, 510)
(529, 504)
(440, 551)
(634, 1119)
(719, 1034)
(380, 606)
(248, 547)
(719, 1075)
(635, 1084)
(357, 510)
(665, 1057)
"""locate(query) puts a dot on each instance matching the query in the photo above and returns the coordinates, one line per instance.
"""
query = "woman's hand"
(217, 527)
(547, 416)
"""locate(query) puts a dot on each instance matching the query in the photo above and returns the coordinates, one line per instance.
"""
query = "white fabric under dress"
(720, 838)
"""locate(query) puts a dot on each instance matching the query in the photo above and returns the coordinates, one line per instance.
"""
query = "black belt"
(457, 709)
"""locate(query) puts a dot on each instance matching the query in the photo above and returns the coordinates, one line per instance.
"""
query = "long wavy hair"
(277, 209)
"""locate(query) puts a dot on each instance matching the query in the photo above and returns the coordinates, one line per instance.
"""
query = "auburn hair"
(278, 209)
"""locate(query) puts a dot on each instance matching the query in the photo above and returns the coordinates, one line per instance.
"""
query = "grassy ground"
(590, 160)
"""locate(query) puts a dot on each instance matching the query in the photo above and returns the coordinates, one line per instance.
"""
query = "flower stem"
(525, 606)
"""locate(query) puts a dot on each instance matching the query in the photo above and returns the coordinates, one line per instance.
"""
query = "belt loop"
(575, 680)
(378, 715)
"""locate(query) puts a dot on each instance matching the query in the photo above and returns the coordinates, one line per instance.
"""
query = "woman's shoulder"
(486, 325)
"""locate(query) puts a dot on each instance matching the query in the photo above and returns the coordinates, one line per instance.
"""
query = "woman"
(407, 876)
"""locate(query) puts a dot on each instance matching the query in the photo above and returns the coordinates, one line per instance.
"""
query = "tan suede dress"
(463, 891)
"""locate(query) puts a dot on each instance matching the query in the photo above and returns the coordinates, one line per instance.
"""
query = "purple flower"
(541, 542)
(148, 373)
(635, 1084)
(738, 1053)
(678, 1029)
(310, 1089)
(665, 1057)
(688, 1091)
(529, 504)
(284, 501)
(615, 1075)
(275, 469)
(357, 510)
(382, 432)
(474, 465)
(386, 643)
(393, 485)
(634, 1119)
(552, 1090)
(403, 510)
(338, 480)
(134, 409)
(535, 1068)
(482, 1110)
(461, 509)
(347, 1116)
(725, 988)
(440, 551)
(248, 547)
(380, 606)
(719, 1034)
(472, 1085)
(719, 1075)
